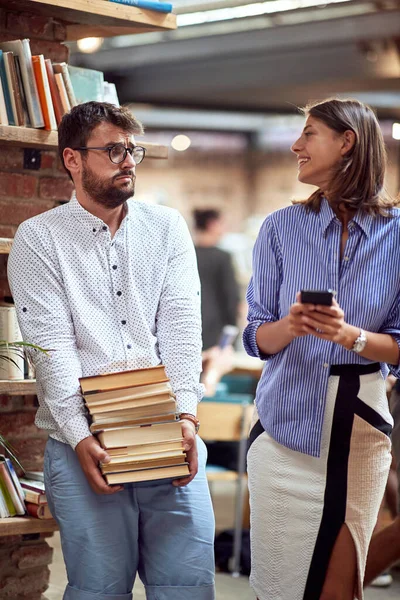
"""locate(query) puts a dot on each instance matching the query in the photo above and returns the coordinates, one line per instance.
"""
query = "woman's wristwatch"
(360, 342)
(192, 418)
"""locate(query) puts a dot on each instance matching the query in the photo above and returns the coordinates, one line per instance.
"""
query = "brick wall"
(24, 560)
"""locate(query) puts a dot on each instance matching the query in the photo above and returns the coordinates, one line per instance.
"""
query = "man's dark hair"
(77, 125)
(202, 218)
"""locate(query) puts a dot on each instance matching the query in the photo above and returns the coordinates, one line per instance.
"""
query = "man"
(219, 289)
(384, 549)
(109, 284)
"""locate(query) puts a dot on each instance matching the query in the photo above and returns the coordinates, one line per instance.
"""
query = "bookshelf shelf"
(5, 245)
(26, 137)
(18, 388)
(25, 525)
(97, 18)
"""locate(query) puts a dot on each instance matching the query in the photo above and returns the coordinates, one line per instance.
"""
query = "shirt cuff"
(250, 341)
(186, 402)
(394, 369)
(75, 430)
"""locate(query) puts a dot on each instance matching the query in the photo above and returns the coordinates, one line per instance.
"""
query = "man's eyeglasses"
(117, 153)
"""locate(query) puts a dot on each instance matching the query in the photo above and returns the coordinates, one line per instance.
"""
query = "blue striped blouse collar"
(327, 215)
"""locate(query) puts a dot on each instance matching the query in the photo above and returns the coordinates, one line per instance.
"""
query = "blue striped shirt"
(298, 249)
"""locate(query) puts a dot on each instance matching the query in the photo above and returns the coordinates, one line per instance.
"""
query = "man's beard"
(106, 193)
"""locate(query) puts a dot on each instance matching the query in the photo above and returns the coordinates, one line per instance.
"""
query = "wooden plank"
(5, 245)
(18, 388)
(109, 16)
(25, 525)
(26, 137)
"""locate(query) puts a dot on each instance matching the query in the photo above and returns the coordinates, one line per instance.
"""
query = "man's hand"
(90, 453)
(190, 446)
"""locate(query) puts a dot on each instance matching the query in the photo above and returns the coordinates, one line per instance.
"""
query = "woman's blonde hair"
(359, 178)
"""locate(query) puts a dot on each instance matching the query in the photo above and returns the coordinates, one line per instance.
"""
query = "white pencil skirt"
(298, 503)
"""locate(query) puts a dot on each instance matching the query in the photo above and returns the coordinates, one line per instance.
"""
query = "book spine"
(31, 91)
(18, 505)
(44, 92)
(15, 479)
(20, 117)
(63, 92)
(3, 108)
(164, 7)
(8, 59)
(6, 91)
(6, 492)
(26, 119)
(55, 94)
(63, 69)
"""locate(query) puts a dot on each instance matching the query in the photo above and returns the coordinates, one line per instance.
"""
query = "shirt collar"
(90, 221)
(327, 215)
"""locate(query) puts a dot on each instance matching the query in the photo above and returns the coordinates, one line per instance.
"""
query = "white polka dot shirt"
(103, 305)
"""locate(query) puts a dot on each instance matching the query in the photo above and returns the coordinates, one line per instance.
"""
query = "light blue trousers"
(163, 533)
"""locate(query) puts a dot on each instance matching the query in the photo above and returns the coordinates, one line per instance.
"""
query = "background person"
(320, 452)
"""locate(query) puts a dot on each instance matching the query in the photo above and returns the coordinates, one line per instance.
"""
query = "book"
(3, 506)
(149, 463)
(40, 511)
(123, 421)
(147, 4)
(173, 472)
(63, 69)
(4, 488)
(13, 367)
(128, 436)
(145, 448)
(3, 108)
(31, 484)
(34, 497)
(131, 393)
(87, 84)
(6, 91)
(13, 86)
(134, 458)
(34, 475)
(122, 379)
(22, 49)
(111, 411)
(27, 121)
(14, 478)
(59, 111)
(42, 82)
(65, 103)
(110, 93)
(15, 499)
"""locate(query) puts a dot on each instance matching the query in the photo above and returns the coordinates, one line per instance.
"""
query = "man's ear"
(349, 139)
(72, 160)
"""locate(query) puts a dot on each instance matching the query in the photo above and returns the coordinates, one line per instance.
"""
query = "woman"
(320, 450)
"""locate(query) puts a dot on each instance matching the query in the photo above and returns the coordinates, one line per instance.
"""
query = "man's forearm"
(274, 337)
(384, 550)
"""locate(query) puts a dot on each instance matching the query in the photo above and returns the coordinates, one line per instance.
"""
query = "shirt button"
(119, 293)
(104, 228)
(346, 258)
(94, 230)
(129, 346)
(24, 309)
(325, 365)
(123, 322)
(114, 267)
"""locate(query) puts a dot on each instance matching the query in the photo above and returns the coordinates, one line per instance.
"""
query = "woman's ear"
(72, 160)
(349, 139)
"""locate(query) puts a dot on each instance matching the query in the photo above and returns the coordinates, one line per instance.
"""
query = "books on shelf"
(165, 7)
(40, 511)
(12, 365)
(133, 414)
(21, 496)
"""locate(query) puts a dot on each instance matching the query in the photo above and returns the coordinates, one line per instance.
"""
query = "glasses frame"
(110, 149)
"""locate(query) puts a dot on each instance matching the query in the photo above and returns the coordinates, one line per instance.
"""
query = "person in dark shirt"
(219, 288)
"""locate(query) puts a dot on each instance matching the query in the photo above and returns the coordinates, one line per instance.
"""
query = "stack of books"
(35, 495)
(133, 414)
(36, 92)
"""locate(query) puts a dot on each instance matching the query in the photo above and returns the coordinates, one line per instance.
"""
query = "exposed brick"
(11, 157)
(48, 160)
(32, 556)
(56, 188)
(26, 586)
(17, 185)
(34, 26)
(55, 51)
(7, 231)
(19, 424)
(30, 452)
(4, 288)
(14, 212)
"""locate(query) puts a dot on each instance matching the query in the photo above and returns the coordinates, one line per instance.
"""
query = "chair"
(226, 417)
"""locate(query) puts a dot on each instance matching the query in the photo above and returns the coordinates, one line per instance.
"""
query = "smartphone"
(228, 336)
(323, 297)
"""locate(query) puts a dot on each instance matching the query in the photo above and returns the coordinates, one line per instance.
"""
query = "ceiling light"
(90, 44)
(396, 131)
(181, 143)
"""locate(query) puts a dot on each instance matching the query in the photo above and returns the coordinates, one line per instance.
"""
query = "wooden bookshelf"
(25, 525)
(96, 18)
(18, 387)
(26, 137)
(5, 245)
